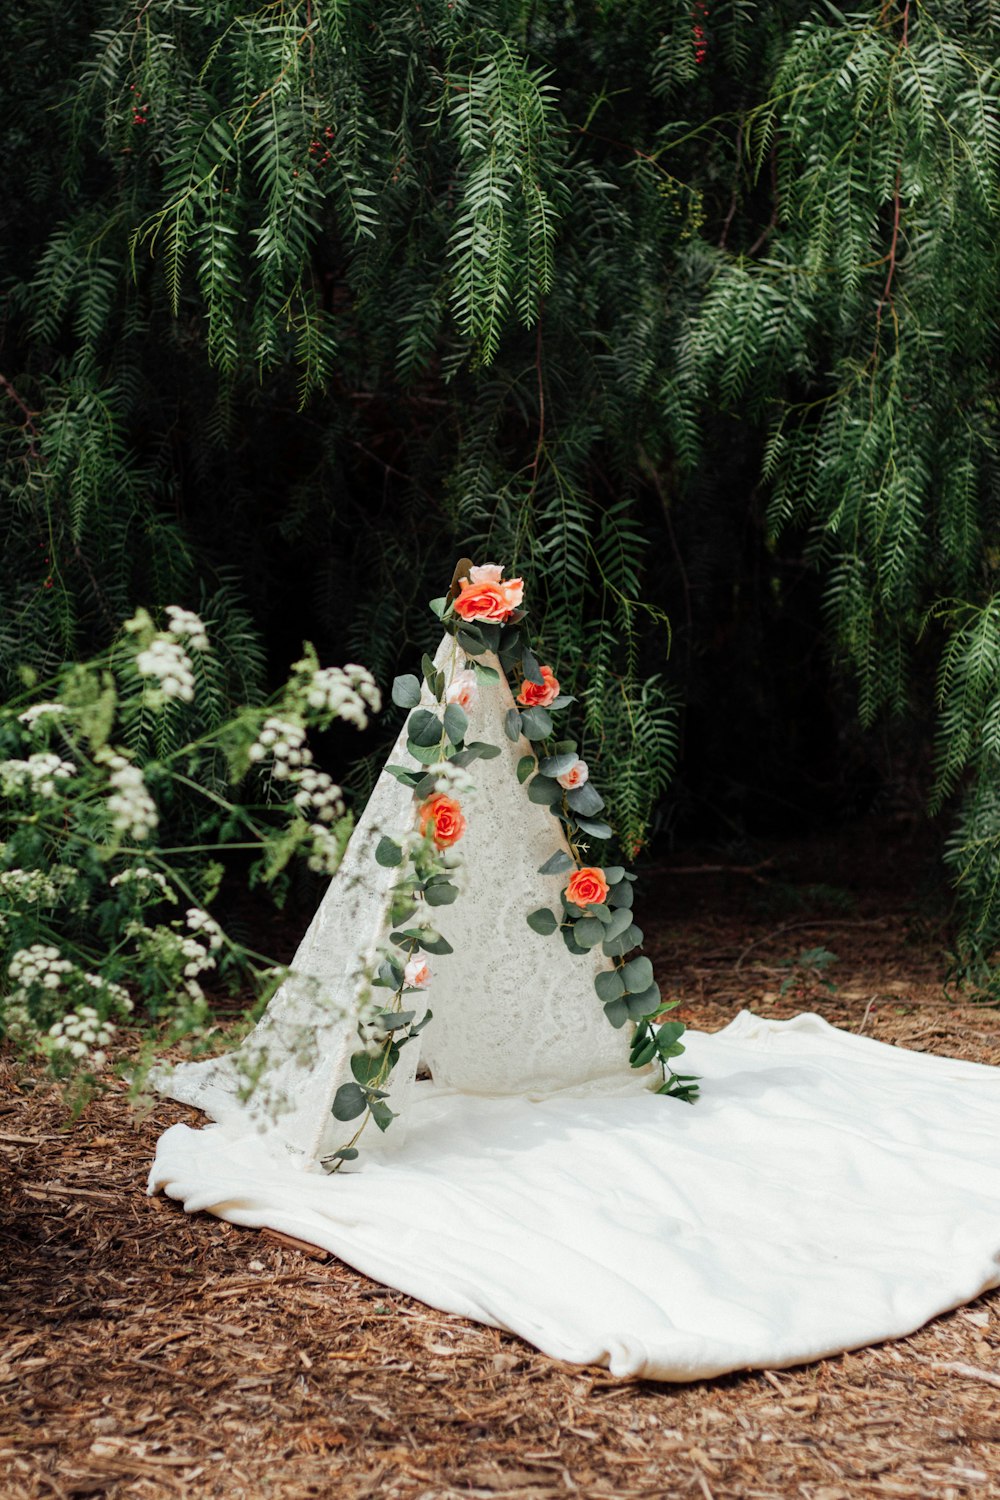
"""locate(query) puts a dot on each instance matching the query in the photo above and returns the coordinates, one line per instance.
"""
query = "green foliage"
(336, 292)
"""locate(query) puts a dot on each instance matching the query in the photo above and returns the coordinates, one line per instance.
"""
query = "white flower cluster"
(345, 692)
(317, 793)
(40, 964)
(29, 885)
(326, 850)
(200, 921)
(285, 742)
(83, 1035)
(143, 876)
(40, 772)
(184, 622)
(167, 661)
(132, 809)
(37, 711)
(451, 779)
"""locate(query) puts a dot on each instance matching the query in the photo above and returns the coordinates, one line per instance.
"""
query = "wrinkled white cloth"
(827, 1191)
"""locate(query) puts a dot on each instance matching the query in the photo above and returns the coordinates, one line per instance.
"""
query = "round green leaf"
(543, 921)
(406, 691)
(638, 975)
(588, 932)
(608, 985)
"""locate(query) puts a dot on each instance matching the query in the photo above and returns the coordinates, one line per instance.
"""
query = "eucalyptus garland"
(485, 614)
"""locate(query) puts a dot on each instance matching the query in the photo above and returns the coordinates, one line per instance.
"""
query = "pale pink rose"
(462, 690)
(486, 573)
(513, 589)
(417, 974)
(578, 773)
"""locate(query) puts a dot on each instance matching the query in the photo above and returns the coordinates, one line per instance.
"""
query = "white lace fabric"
(513, 1012)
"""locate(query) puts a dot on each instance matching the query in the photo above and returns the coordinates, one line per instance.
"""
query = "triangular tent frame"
(514, 1009)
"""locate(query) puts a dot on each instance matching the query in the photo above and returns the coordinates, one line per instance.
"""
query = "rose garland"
(484, 614)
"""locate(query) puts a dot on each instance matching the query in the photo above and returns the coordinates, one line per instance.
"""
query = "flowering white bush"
(80, 927)
(39, 773)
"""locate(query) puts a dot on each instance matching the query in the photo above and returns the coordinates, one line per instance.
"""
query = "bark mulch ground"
(147, 1354)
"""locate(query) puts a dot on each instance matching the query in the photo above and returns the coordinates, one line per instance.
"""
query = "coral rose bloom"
(587, 887)
(485, 596)
(442, 817)
(417, 974)
(539, 694)
(578, 773)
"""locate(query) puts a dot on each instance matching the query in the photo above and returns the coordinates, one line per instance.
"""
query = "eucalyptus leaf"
(621, 895)
(485, 674)
(382, 1114)
(365, 1068)
(388, 854)
(617, 1013)
(558, 765)
(442, 894)
(427, 755)
(424, 728)
(405, 774)
(588, 932)
(563, 701)
(614, 874)
(438, 606)
(608, 985)
(637, 974)
(473, 644)
(585, 799)
(536, 724)
(456, 722)
(349, 1102)
(617, 947)
(406, 691)
(512, 725)
(556, 863)
(543, 921)
(530, 667)
(525, 768)
(594, 827)
(545, 791)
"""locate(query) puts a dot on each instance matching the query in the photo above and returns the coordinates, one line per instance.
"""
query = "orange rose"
(539, 694)
(587, 887)
(443, 818)
(490, 600)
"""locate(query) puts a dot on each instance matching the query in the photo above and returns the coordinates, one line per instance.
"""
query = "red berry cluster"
(47, 582)
(140, 112)
(319, 149)
(699, 13)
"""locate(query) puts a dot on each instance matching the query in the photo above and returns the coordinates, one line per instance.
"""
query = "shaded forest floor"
(148, 1354)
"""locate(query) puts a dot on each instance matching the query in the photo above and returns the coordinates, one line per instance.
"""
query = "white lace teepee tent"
(500, 1000)
(827, 1191)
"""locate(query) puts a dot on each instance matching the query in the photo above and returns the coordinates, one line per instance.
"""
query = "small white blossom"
(345, 692)
(167, 661)
(317, 794)
(28, 885)
(143, 876)
(133, 811)
(184, 622)
(200, 921)
(39, 773)
(451, 779)
(37, 711)
(326, 851)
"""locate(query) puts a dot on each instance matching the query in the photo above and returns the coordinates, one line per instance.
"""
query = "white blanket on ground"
(827, 1191)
